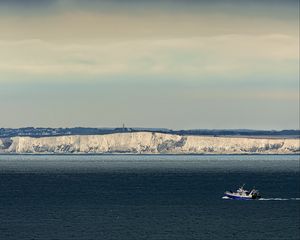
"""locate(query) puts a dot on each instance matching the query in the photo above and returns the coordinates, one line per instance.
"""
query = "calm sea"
(147, 197)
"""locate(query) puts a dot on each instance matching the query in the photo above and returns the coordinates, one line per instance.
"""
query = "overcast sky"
(175, 64)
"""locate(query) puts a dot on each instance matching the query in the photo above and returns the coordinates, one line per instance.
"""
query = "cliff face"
(148, 143)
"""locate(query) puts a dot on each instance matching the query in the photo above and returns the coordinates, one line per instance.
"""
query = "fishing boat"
(243, 194)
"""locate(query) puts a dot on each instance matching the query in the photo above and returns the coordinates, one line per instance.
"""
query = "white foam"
(271, 199)
(278, 199)
(225, 197)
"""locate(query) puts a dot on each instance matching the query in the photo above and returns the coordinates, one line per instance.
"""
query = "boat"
(243, 194)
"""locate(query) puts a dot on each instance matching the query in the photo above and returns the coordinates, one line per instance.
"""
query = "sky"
(161, 63)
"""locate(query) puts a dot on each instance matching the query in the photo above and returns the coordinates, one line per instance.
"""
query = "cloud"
(28, 4)
(213, 61)
(225, 56)
(270, 94)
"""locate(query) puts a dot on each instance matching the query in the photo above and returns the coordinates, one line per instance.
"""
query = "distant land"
(146, 141)
(42, 132)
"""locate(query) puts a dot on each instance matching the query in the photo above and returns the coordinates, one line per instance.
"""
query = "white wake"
(270, 199)
(279, 199)
(225, 197)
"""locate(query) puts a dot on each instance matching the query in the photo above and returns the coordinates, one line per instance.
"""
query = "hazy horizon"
(166, 128)
(174, 64)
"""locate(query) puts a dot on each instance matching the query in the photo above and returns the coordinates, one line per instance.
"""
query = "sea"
(153, 197)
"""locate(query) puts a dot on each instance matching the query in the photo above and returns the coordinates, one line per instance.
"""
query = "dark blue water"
(147, 197)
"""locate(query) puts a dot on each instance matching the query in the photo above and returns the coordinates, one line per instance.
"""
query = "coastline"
(149, 144)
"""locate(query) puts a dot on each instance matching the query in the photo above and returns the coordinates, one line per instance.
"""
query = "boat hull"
(241, 197)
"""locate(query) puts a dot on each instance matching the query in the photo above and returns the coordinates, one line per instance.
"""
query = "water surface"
(147, 197)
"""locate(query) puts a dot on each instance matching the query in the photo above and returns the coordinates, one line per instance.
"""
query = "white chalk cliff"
(149, 143)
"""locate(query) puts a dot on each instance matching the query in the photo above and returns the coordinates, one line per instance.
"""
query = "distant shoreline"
(149, 154)
(135, 143)
(56, 132)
